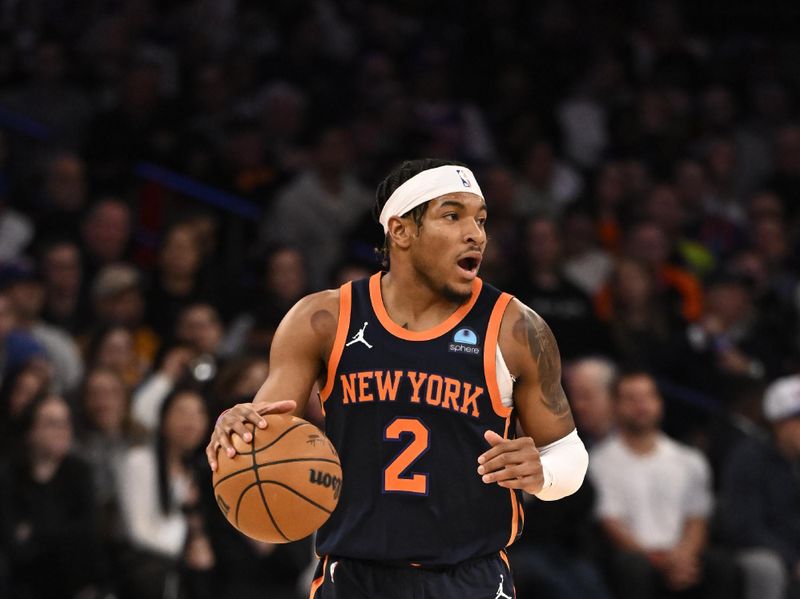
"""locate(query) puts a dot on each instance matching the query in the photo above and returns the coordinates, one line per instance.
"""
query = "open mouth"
(469, 264)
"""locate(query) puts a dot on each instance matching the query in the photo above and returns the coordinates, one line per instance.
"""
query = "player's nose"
(474, 233)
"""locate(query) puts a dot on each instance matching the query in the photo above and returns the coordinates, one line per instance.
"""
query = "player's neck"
(413, 304)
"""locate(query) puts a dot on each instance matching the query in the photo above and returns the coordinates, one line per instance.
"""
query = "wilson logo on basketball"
(326, 480)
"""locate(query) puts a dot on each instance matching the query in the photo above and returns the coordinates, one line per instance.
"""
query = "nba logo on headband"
(425, 186)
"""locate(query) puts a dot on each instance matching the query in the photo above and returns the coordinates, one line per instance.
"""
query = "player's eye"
(481, 221)
(451, 216)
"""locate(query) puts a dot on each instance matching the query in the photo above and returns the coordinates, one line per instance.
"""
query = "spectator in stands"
(107, 433)
(608, 201)
(141, 125)
(18, 390)
(63, 197)
(239, 378)
(503, 230)
(586, 264)
(26, 292)
(588, 384)
(106, 231)
(49, 94)
(159, 497)
(60, 264)
(647, 241)
(786, 176)
(49, 519)
(17, 349)
(771, 239)
(730, 340)
(118, 298)
(641, 330)
(655, 502)
(320, 206)
(760, 496)
(566, 308)
(111, 346)
(16, 230)
(200, 328)
(282, 281)
(178, 280)
(246, 167)
(196, 356)
(718, 234)
(664, 208)
(547, 185)
(172, 369)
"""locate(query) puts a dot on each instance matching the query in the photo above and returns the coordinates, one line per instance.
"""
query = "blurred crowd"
(641, 165)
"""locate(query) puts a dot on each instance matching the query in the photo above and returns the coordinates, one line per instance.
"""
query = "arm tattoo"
(532, 330)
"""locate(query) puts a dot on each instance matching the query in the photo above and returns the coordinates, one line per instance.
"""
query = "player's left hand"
(511, 463)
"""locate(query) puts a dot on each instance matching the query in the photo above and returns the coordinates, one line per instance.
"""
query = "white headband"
(427, 185)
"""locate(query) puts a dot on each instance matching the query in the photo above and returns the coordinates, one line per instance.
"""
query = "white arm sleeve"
(564, 464)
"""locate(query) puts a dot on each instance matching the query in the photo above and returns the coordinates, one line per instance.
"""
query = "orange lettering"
(416, 384)
(385, 386)
(470, 399)
(363, 386)
(348, 388)
(429, 397)
(452, 389)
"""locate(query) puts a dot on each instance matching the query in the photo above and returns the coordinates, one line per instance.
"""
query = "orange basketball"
(283, 485)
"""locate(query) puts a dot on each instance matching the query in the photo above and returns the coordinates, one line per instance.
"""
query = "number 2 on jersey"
(394, 479)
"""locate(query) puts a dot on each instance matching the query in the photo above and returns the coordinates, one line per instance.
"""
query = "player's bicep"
(295, 361)
(539, 397)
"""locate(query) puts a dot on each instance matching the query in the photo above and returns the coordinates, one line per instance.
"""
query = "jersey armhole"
(489, 355)
(345, 301)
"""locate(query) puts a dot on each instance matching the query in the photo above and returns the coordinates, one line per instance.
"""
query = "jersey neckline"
(376, 299)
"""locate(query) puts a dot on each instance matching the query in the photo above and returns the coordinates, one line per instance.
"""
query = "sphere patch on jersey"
(465, 341)
(467, 336)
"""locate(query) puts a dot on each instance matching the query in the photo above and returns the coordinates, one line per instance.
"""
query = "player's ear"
(401, 231)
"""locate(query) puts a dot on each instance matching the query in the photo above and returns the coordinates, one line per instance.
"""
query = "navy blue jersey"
(407, 411)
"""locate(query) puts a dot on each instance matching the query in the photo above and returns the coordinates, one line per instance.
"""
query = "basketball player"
(424, 371)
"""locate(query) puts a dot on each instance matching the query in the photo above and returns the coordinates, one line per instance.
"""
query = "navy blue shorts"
(342, 578)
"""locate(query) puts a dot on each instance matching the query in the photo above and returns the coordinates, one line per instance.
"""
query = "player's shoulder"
(313, 318)
(523, 335)
(320, 300)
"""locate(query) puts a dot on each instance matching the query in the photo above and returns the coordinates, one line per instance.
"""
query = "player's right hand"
(232, 423)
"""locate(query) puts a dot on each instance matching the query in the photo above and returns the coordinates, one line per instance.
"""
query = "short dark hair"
(627, 373)
(399, 175)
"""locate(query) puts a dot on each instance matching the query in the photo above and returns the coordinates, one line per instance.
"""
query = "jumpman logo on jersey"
(359, 337)
(333, 569)
(500, 593)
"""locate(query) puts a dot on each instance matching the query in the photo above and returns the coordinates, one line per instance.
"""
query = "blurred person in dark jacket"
(760, 495)
(47, 506)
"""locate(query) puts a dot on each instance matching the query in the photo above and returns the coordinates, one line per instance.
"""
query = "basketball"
(283, 485)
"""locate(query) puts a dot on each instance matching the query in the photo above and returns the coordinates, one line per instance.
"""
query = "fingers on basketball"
(282, 485)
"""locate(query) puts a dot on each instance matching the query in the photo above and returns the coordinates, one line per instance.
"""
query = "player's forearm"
(564, 465)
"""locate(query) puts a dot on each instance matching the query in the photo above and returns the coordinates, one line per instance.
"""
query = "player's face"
(449, 248)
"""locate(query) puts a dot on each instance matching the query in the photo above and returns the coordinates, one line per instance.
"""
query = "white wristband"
(564, 465)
